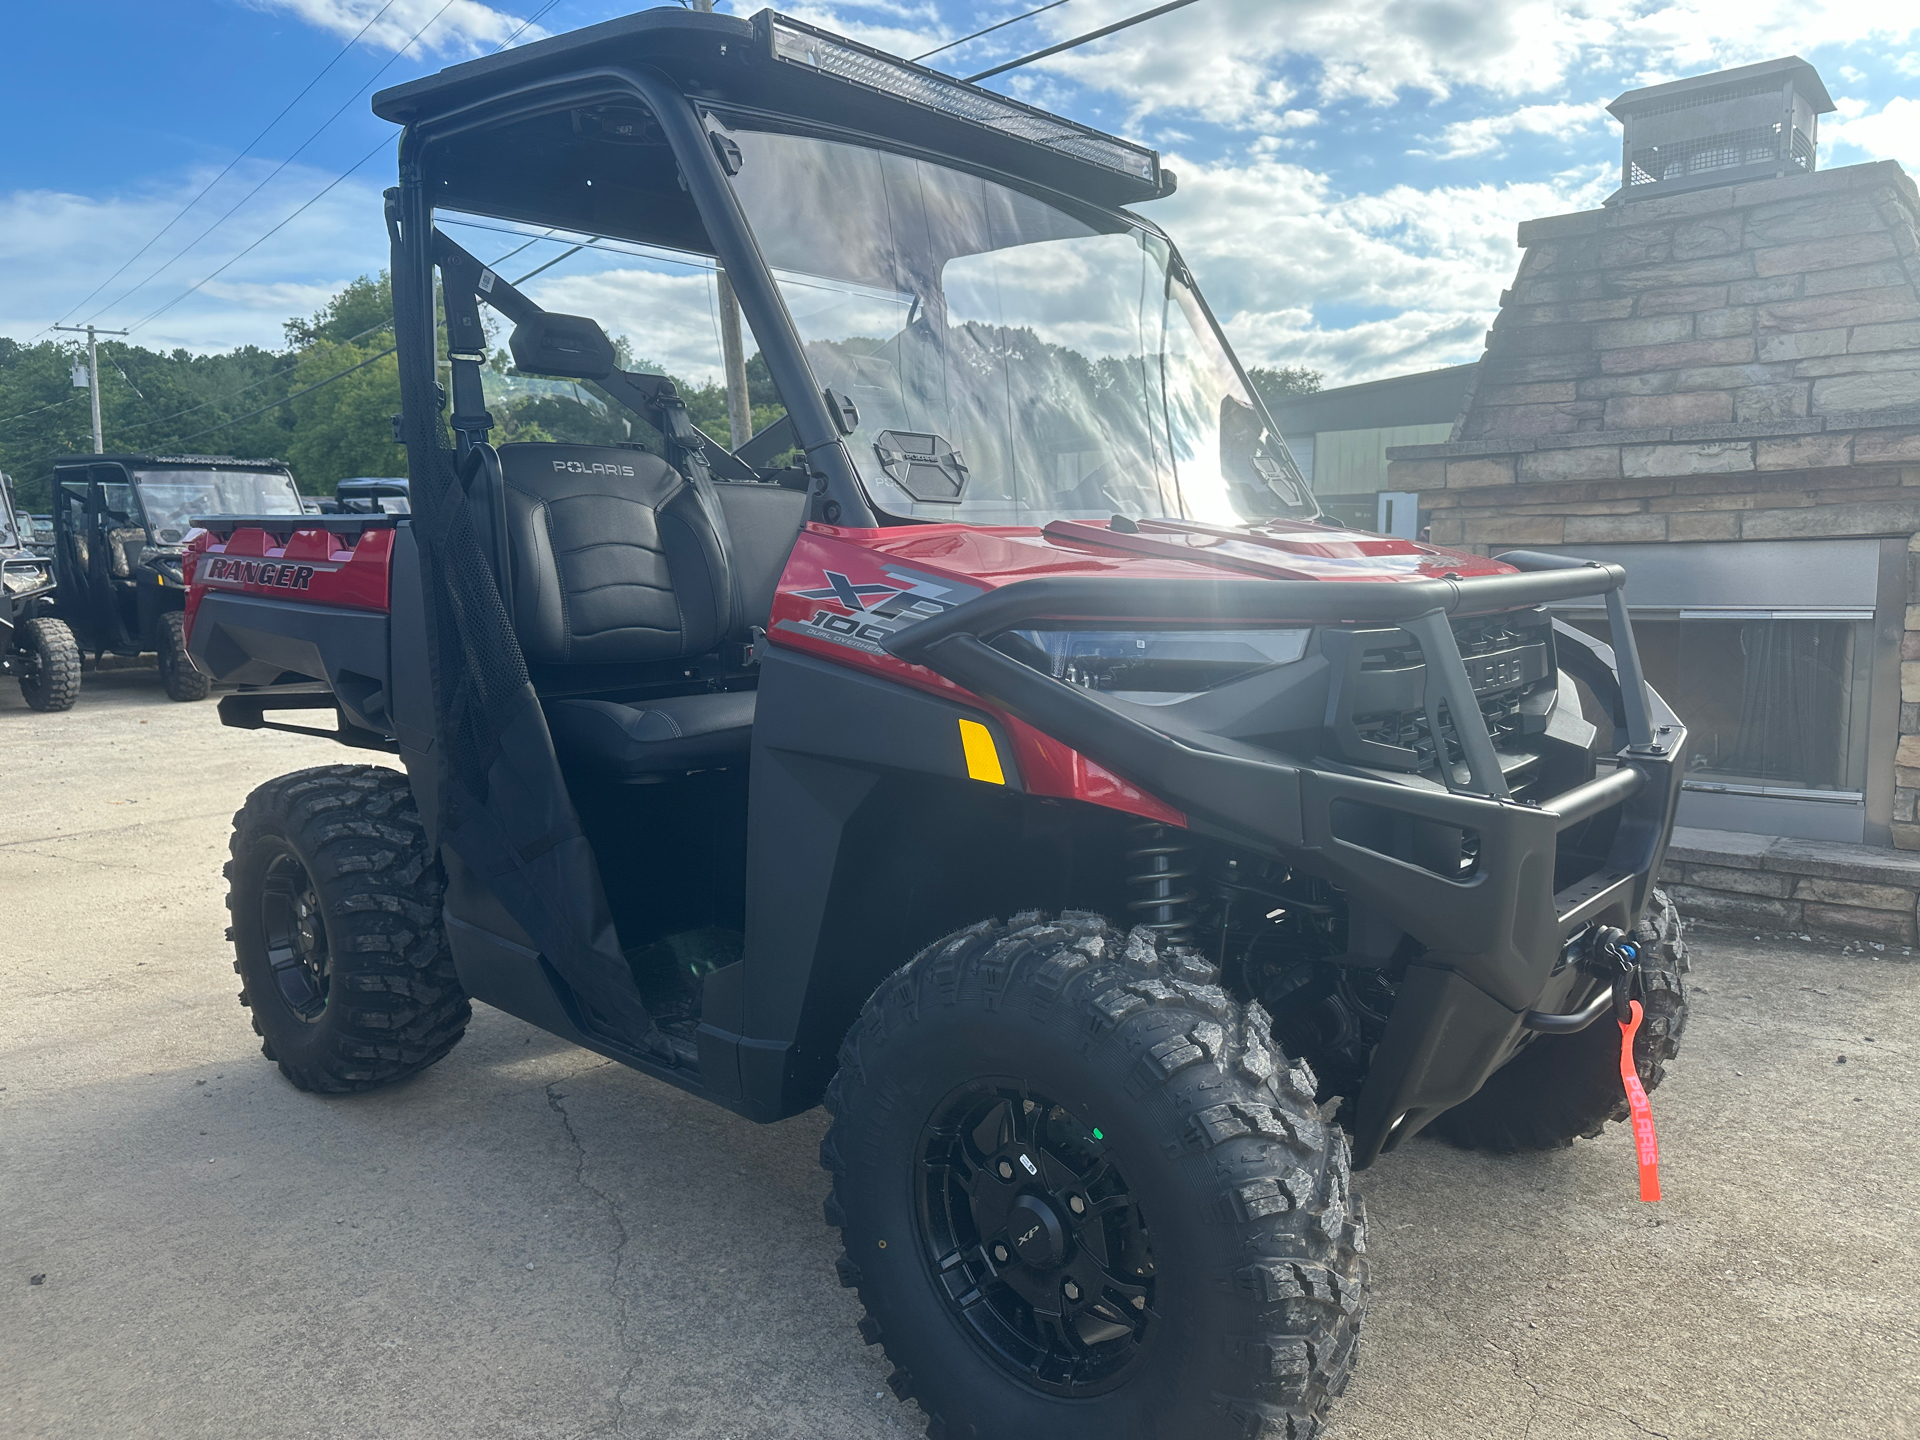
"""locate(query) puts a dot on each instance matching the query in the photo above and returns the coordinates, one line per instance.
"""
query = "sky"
(1351, 171)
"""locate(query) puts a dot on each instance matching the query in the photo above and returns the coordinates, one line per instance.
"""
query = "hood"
(1164, 549)
(1279, 550)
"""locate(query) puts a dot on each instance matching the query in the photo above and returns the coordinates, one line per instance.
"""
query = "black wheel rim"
(296, 935)
(1036, 1239)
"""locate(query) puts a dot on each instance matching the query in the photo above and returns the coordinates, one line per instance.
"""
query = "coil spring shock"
(1159, 863)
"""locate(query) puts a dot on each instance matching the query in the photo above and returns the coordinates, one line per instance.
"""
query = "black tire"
(1233, 1194)
(183, 682)
(1567, 1087)
(338, 942)
(54, 680)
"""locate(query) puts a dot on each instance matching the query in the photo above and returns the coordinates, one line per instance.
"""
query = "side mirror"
(572, 347)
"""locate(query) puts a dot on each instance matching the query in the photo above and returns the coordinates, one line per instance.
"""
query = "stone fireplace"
(1719, 384)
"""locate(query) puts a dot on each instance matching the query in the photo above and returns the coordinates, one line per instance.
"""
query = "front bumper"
(1494, 943)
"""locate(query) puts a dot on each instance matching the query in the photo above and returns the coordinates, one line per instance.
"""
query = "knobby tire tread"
(1278, 1173)
(56, 684)
(395, 1004)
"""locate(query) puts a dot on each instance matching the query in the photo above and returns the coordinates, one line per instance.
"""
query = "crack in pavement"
(1541, 1395)
(617, 1425)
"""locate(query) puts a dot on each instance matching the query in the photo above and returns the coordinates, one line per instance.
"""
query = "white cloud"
(56, 246)
(668, 317)
(1891, 134)
(1223, 61)
(1419, 271)
(1485, 132)
(467, 27)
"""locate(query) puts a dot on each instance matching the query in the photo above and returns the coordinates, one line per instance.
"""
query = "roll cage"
(686, 76)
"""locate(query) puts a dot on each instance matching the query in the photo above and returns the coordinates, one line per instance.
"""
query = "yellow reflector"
(983, 761)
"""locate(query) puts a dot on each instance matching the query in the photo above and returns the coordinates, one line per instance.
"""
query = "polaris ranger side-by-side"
(995, 745)
(120, 529)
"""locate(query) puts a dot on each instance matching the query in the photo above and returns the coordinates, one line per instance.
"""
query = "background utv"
(991, 744)
(120, 528)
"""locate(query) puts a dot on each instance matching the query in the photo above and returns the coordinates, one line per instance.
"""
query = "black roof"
(727, 61)
(1431, 397)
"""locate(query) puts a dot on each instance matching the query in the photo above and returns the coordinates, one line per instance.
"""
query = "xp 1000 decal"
(860, 614)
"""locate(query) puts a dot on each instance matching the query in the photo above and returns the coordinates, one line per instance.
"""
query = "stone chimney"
(1724, 358)
(1756, 122)
(1781, 302)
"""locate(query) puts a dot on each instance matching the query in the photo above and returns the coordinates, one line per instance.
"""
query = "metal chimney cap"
(1806, 80)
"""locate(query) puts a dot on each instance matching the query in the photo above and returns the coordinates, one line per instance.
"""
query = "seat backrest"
(617, 559)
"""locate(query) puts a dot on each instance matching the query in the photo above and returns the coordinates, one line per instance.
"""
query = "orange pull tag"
(1645, 1147)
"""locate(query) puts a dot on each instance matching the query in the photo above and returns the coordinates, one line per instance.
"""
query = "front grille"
(1380, 710)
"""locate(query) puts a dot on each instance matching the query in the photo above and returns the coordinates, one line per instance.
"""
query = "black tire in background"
(1182, 1257)
(54, 683)
(335, 899)
(1567, 1087)
(183, 682)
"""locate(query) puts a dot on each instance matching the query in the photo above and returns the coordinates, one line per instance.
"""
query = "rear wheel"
(335, 898)
(1081, 1195)
(183, 682)
(1567, 1087)
(52, 681)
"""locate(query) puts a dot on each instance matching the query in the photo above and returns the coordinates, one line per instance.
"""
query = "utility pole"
(93, 374)
(732, 351)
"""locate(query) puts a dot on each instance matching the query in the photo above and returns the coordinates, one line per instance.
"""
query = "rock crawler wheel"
(1083, 1197)
(335, 895)
(295, 933)
(1036, 1238)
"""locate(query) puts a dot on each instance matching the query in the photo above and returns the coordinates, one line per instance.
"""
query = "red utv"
(987, 740)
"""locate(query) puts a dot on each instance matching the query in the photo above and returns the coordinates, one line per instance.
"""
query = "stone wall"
(1740, 305)
(1758, 881)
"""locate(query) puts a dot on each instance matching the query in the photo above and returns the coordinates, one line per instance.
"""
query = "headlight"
(19, 579)
(1154, 667)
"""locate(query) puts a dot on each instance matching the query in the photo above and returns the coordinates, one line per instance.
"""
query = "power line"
(370, 330)
(253, 384)
(274, 174)
(194, 288)
(241, 255)
(318, 384)
(24, 414)
(295, 363)
(955, 44)
(525, 25)
(181, 214)
(1099, 34)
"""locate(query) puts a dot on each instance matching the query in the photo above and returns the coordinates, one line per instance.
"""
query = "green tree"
(1274, 384)
(345, 427)
(363, 307)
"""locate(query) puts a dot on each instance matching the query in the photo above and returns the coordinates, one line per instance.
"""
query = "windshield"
(173, 497)
(1010, 362)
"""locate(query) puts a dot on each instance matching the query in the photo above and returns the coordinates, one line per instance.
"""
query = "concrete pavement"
(526, 1241)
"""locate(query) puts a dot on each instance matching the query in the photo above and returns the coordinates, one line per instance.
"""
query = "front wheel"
(1082, 1196)
(52, 681)
(335, 897)
(183, 682)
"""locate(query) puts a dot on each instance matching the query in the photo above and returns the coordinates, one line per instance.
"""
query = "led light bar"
(799, 44)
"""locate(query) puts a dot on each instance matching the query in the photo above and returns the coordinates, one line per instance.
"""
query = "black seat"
(679, 732)
(620, 563)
